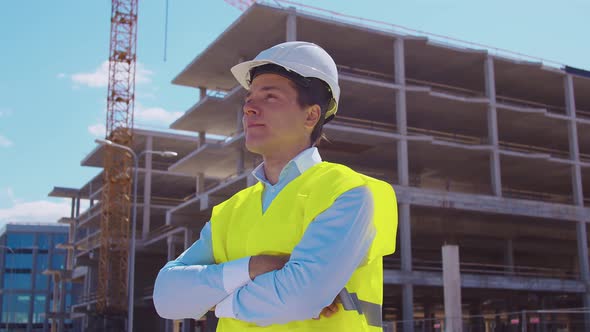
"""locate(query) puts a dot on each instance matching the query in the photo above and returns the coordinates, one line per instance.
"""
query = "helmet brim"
(241, 71)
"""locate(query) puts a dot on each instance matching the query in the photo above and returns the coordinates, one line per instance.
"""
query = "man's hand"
(329, 310)
(265, 263)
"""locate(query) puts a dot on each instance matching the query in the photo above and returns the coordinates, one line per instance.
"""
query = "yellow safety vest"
(240, 229)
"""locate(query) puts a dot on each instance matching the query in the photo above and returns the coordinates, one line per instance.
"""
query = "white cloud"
(5, 142)
(97, 130)
(154, 115)
(61, 75)
(142, 74)
(36, 211)
(147, 117)
(100, 76)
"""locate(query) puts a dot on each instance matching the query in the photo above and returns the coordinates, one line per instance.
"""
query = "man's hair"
(316, 93)
(310, 91)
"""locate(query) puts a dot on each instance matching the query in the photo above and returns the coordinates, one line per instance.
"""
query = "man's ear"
(314, 113)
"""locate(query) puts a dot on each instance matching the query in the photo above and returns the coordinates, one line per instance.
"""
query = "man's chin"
(254, 148)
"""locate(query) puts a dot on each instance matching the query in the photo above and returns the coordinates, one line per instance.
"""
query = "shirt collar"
(301, 163)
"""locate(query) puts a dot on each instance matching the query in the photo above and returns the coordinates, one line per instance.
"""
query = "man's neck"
(274, 164)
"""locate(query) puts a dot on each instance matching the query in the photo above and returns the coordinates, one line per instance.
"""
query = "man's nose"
(250, 109)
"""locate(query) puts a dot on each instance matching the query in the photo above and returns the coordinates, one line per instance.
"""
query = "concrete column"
(452, 288)
(573, 141)
(291, 29)
(577, 192)
(490, 84)
(200, 183)
(73, 208)
(188, 235)
(402, 155)
(188, 325)
(400, 78)
(86, 292)
(70, 253)
(72, 239)
(62, 304)
(406, 264)
(202, 138)
(147, 188)
(403, 173)
(55, 292)
(509, 257)
(169, 324)
(582, 240)
(200, 179)
(239, 117)
(171, 254)
(404, 180)
(77, 205)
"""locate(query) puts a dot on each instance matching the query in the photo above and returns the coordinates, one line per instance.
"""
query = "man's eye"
(270, 97)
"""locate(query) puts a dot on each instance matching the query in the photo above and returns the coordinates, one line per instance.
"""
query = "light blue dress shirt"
(333, 246)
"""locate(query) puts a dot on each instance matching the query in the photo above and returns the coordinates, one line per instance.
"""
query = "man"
(302, 249)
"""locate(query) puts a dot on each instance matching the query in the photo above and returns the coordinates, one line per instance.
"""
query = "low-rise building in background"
(28, 253)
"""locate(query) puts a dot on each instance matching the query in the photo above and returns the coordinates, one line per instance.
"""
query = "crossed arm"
(271, 290)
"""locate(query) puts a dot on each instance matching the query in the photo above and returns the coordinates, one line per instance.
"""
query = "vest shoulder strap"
(324, 183)
(234, 202)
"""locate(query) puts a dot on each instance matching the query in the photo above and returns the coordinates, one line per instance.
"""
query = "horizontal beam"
(424, 278)
(490, 204)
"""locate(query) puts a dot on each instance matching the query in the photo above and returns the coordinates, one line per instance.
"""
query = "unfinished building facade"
(158, 191)
(486, 153)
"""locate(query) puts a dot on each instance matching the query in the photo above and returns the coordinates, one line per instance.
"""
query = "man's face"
(272, 119)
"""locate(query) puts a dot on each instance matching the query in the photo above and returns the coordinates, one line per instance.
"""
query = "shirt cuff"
(225, 308)
(236, 274)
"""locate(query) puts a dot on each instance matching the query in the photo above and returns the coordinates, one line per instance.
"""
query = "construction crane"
(113, 263)
(113, 285)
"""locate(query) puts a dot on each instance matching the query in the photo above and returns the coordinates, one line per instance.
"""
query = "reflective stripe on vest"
(371, 311)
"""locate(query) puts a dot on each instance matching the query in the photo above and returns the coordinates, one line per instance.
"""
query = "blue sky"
(53, 83)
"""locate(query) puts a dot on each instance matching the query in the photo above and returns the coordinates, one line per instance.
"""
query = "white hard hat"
(303, 58)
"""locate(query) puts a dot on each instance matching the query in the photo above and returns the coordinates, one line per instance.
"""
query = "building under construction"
(488, 154)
